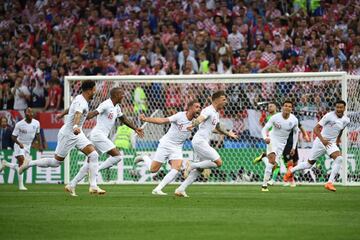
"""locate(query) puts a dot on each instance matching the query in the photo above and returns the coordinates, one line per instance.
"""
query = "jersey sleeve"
(174, 117)
(206, 113)
(79, 106)
(324, 120)
(101, 108)
(119, 112)
(16, 130)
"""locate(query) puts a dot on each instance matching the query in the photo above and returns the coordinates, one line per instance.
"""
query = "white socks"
(10, 165)
(335, 168)
(80, 175)
(110, 161)
(267, 174)
(301, 166)
(45, 162)
(194, 174)
(169, 177)
(20, 180)
(93, 168)
(203, 164)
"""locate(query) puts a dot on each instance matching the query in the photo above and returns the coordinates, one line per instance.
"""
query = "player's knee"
(312, 162)
(218, 163)
(154, 169)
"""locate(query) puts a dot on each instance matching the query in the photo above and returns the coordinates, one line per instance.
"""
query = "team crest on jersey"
(110, 115)
(331, 124)
(23, 131)
(277, 125)
(214, 121)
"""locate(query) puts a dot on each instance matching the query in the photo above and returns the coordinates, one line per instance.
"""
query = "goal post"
(248, 95)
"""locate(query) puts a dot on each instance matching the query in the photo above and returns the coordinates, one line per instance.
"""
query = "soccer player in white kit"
(281, 124)
(327, 141)
(208, 121)
(107, 113)
(71, 135)
(23, 135)
(170, 147)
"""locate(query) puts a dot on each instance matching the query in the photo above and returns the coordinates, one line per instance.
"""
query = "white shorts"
(203, 151)
(318, 149)
(66, 142)
(21, 151)
(101, 142)
(168, 152)
(277, 148)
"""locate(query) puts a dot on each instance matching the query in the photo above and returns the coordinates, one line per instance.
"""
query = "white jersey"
(79, 104)
(108, 113)
(25, 132)
(207, 126)
(281, 128)
(177, 133)
(332, 125)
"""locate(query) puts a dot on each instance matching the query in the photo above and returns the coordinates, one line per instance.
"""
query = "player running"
(170, 147)
(327, 141)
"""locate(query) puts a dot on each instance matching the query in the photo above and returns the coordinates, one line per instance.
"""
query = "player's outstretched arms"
(153, 120)
(223, 131)
(131, 124)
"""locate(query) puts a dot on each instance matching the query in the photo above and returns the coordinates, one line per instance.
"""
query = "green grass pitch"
(212, 212)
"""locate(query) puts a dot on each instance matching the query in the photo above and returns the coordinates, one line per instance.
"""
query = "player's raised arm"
(131, 124)
(153, 120)
(223, 131)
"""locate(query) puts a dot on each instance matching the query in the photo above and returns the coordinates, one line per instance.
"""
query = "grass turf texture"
(211, 212)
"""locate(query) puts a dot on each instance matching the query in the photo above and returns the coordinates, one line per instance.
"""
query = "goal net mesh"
(248, 98)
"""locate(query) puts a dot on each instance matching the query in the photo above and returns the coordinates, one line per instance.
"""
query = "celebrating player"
(207, 156)
(23, 135)
(327, 141)
(170, 147)
(71, 135)
(107, 113)
(282, 124)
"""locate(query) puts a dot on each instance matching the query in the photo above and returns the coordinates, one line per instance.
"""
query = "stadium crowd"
(42, 41)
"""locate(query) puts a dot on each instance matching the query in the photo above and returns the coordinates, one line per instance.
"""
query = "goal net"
(248, 96)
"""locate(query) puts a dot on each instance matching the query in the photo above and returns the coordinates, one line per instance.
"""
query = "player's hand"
(76, 130)
(140, 132)
(292, 152)
(267, 140)
(325, 142)
(58, 117)
(142, 117)
(233, 135)
(21, 145)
